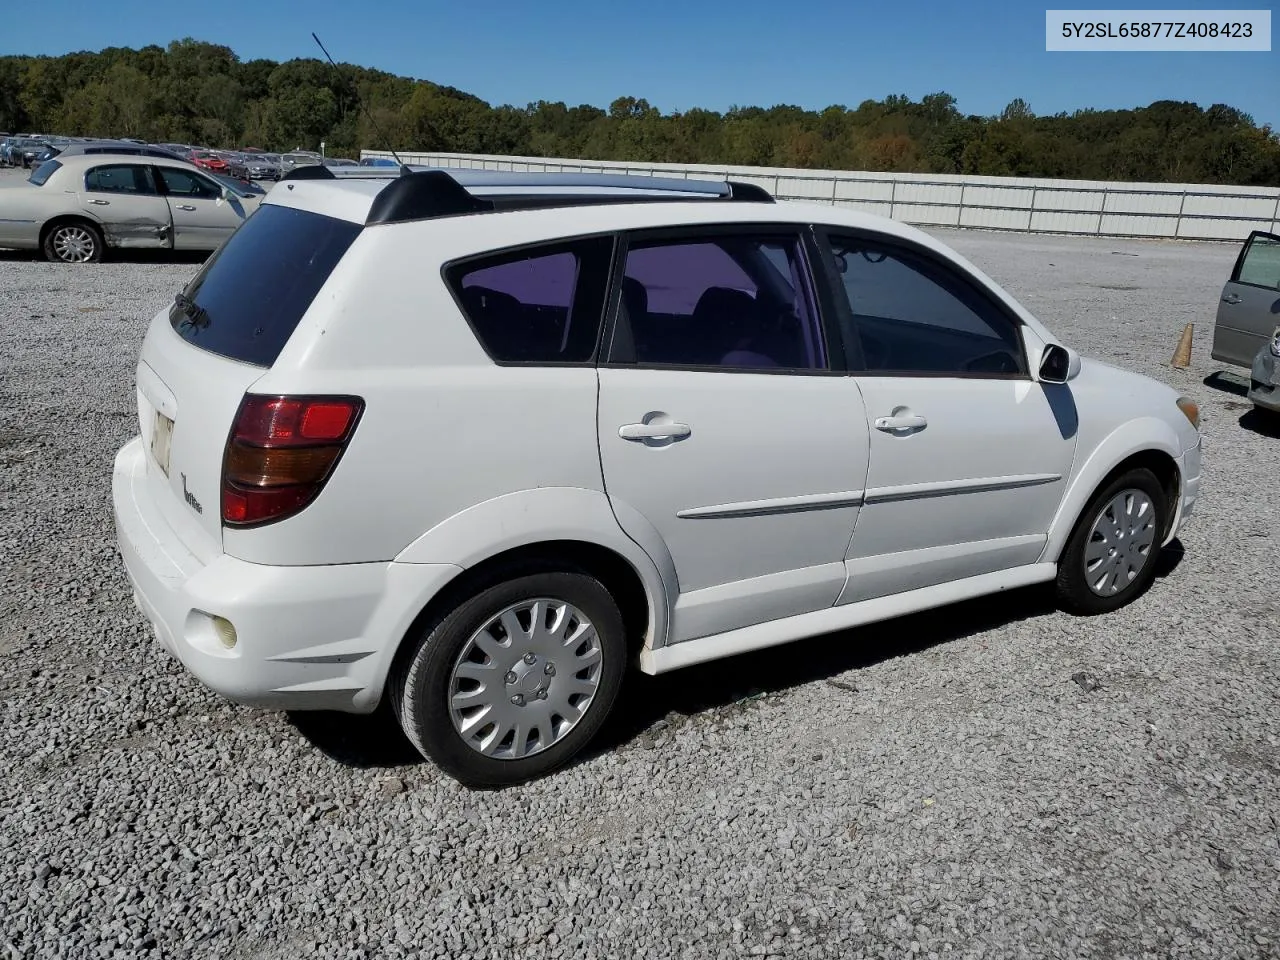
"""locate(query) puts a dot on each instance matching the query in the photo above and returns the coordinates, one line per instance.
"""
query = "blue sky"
(682, 54)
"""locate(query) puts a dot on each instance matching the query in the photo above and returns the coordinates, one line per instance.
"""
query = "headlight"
(1191, 410)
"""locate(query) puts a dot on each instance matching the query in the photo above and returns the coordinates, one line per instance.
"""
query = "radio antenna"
(367, 112)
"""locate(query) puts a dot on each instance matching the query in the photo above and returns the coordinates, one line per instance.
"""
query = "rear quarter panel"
(25, 208)
(444, 427)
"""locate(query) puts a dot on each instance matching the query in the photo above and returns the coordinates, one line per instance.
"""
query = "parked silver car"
(72, 209)
(262, 166)
(299, 158)
(1247, 330)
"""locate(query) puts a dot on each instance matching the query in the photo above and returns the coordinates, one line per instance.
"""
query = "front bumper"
(1264, 381)
(307, 638)
(1189, 472)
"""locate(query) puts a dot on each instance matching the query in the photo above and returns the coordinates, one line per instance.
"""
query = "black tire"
(421, 686)
(50, 245)
(1075, 595)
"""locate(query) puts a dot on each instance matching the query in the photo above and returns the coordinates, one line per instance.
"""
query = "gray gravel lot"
(938, 786)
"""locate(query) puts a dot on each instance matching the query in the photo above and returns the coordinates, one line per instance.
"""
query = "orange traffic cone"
(1182, 355)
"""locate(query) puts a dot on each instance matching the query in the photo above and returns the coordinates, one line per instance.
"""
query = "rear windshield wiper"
(194, 314)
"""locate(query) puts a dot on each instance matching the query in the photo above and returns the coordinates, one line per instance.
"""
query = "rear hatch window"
(247, 300)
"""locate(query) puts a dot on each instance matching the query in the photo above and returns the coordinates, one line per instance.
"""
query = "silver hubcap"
(73, 244)
(1120, 542)
(525, 679)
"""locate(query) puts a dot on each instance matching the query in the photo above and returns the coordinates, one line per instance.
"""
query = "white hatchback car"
(478, 441)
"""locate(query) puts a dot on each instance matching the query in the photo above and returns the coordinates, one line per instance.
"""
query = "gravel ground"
(992, 780)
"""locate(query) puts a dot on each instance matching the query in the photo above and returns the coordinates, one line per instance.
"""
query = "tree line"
(202, 93)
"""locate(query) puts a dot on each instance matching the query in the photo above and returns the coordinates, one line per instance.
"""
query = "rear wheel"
(73, 241)
(1111, 556)
(516, 680)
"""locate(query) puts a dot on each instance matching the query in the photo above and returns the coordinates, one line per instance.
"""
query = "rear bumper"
(1264, 381)
(307, 638)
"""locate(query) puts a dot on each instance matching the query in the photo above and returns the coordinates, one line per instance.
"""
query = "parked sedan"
(74, 208)
(208, 160)
(299, 158)
(23, 152)
(264, 166)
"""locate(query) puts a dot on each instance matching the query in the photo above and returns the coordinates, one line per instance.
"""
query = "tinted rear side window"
(248, 299)
(539, 305)
(42, 173)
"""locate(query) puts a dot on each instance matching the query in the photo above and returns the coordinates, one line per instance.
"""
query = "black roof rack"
(423, 192)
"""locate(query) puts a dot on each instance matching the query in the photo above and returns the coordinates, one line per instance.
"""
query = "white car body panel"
(757, 523)
(784, 513)
(988, 468)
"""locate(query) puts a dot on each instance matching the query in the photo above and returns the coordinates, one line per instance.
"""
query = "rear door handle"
(185, 206)
(906, 422)
(101, 203)
(1231, 298)
(654, 431)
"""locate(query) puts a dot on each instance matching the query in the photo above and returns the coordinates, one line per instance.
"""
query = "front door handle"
(654, 431)
(101, 203)
(1231, 298)
(901, 422)
(185, 206)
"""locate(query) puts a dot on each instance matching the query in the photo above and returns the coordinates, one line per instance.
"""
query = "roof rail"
(418, 193)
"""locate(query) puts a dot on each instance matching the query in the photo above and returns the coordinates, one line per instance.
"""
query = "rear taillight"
(280, 453)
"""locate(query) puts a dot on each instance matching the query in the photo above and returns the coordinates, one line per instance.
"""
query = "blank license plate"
(161, 439)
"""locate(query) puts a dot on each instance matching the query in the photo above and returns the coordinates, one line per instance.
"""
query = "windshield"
(249, 297)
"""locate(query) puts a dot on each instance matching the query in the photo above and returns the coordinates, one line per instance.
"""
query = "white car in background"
(478, 442)
(74, 208)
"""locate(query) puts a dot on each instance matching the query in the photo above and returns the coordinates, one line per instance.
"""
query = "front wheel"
(1111, 557)
(75, 241)
(514, 681)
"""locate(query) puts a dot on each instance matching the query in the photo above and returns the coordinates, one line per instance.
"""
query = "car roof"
(77, 147)
(346, 194)
(79, 161)
(354, 194)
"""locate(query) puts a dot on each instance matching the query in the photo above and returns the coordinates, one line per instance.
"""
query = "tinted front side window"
(912, 315)
(184, 183)
(248, 299)
(738, 301)
(119, 178)
(541, 305)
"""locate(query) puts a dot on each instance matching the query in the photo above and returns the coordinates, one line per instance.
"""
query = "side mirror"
(1058, 364)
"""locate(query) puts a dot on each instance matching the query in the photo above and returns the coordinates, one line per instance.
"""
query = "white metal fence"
(1175, 211)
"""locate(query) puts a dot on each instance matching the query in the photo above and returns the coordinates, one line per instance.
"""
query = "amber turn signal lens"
(1191, 410)
(282, 467)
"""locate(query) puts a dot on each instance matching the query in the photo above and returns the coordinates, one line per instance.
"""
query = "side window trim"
(618, 343)
(857, 364)
(587, 297)
(1243, 255)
